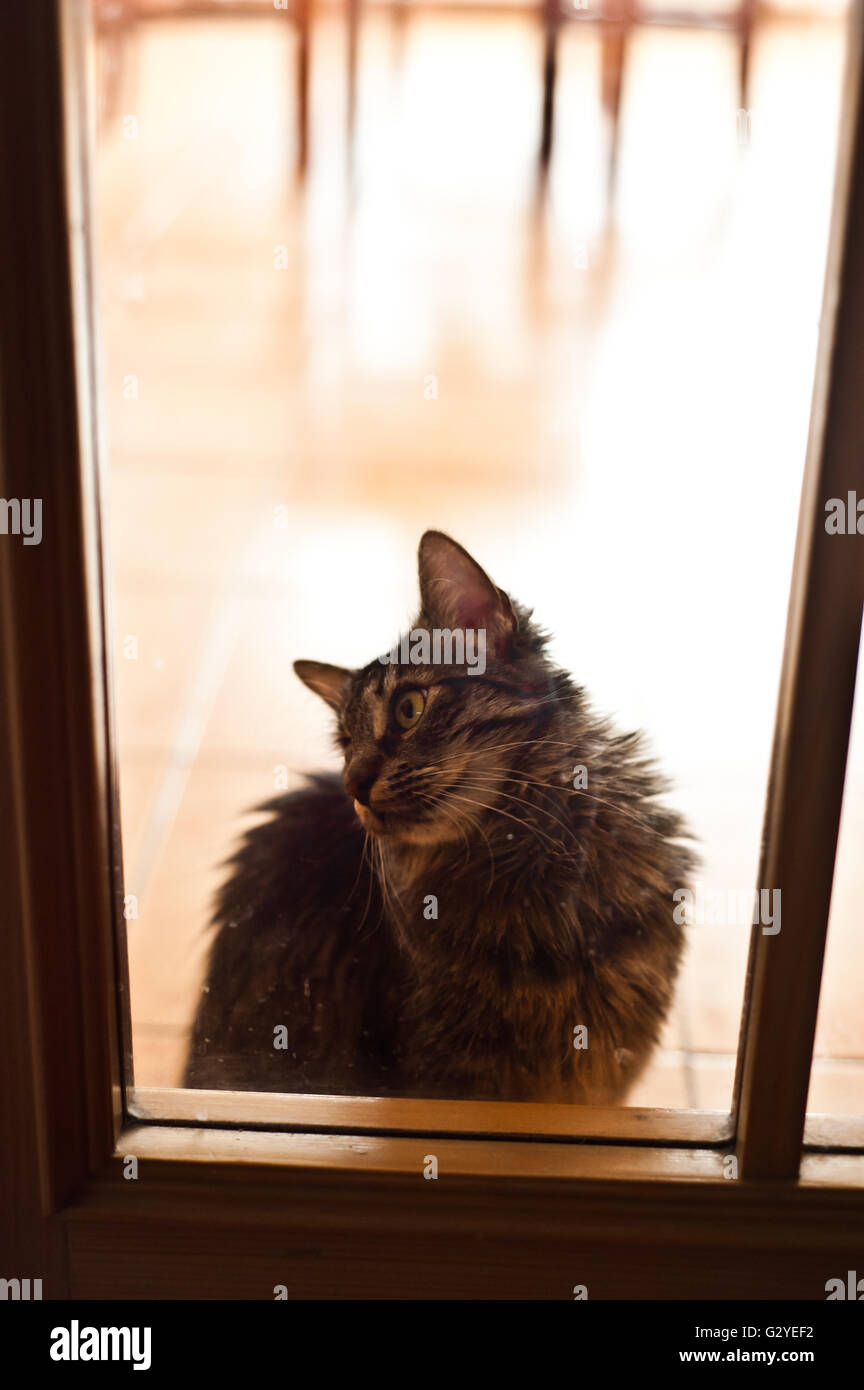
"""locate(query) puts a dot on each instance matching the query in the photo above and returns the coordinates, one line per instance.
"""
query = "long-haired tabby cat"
(481, 906)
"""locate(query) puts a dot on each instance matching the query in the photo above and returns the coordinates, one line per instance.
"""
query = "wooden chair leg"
(353, 27)
(303, 17)
(614, 50)
(551, 25)
(746, 21)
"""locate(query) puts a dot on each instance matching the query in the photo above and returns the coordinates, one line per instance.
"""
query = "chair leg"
(353, 26)
(303, 23)
(614, 49)
(551, 24)
(746, 21)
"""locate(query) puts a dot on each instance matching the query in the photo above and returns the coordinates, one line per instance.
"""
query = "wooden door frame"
(221, 1210)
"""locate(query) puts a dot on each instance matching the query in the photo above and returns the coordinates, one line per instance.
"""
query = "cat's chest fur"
(490, 909)
(509, 970)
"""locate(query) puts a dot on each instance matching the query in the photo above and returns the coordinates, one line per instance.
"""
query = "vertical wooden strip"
(303, 21)
(816, 694)
(65, 1036)
(551, 24)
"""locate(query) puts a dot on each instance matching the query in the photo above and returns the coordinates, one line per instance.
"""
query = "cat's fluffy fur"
(448, 933)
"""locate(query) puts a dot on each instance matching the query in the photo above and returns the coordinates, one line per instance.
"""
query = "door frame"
(221, 1210)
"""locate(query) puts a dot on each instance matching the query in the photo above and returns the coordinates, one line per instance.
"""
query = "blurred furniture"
(115, 22)
(618, 18)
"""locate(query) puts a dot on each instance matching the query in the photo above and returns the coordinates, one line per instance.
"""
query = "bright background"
(622, 403)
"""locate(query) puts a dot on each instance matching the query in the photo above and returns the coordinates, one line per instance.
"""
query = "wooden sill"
(834, 1132)
(468, 1119)
(626, 1166)
(338, 1182)
(481, 1158)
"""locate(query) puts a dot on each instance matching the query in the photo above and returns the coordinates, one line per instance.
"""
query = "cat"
(479, 907)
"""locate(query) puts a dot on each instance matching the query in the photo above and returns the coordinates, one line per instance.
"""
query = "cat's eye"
(409, 708)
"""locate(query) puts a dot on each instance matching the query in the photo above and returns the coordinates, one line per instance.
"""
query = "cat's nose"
(359, 784)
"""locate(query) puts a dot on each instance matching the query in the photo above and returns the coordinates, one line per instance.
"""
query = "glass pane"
(602, 396)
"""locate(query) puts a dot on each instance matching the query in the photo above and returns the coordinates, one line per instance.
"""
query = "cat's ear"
(330, 682)
(457, 593)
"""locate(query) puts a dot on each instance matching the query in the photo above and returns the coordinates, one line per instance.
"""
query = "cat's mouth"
(373, 821)
(405, 823)
(395, 824)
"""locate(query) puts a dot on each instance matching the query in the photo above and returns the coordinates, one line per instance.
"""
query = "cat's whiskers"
(517, 775)
(359, 868)
(477, 824)
(389, 901)
(365, 859)
(436, 805)
(591, 796)
(493, 785)
(499, 810)
(500, 858)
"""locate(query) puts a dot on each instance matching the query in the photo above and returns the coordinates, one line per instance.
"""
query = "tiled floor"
(618, 431)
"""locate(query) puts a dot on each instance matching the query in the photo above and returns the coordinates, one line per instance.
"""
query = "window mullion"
(816, 695)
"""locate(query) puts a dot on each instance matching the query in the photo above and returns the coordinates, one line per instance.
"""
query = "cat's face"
(432, 733)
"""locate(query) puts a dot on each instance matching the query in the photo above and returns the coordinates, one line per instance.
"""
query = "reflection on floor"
(610, 413)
